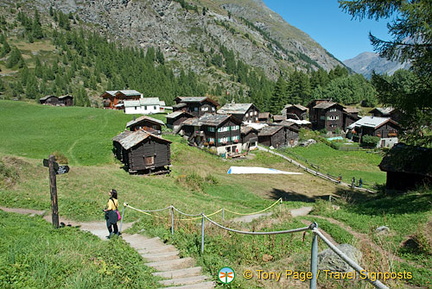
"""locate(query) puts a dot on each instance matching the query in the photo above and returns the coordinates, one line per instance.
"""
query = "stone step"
(184, 281)
(203, 285)
(140, 242)
(155, 250)
(172, 264)
(161, 256)
(188, 272)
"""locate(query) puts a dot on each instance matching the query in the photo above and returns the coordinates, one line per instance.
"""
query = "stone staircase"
(178, 273)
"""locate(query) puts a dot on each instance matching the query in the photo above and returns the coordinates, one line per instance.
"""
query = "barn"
(142, 152)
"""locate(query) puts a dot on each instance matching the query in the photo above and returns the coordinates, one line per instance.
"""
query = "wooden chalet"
(326, 115)
(407, 167)
(197, 106)
(175, 119)
(249, 137)
(292, 130)
(142, 152)
(295, 111)
(278, 118)
(215, 131)
(114, 99)
(149, 124)
(244, 112)
(272, 136)
(390, 112)
(383, 127)
(264, 117)
(64, 100)
(351, 115)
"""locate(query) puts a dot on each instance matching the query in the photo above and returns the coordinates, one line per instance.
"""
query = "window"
(149, 161)
(211, 140)
(211, 129)
(154, 107)
(223, 129)
(224, 140)
(235, 127)
(204, 109)
(235, 138)
(332, 109)
(333, 117)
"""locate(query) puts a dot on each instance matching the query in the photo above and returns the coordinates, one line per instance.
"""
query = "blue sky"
(328, 25)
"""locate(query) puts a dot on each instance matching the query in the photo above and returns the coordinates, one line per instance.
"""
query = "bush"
(369, 141)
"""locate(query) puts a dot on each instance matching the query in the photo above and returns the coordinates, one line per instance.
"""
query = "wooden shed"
(142, 152)
(175, 119)
(272, 136)
(407, 167)
(149, 124)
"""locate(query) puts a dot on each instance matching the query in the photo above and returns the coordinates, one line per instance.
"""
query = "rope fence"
(313, 227)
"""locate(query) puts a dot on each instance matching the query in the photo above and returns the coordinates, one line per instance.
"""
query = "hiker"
(353, 182)
(360, 183)
(111, 216)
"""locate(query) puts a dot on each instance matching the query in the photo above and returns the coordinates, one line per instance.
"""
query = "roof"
(177, 114)
(270, 130)
(131, 139)
(326, 105)
(278, 117)
(408, 159)
(247, 129)
(189, 99)
(383, 110)
(299, 106)
(235, 108)
(46, 97)
(264, 115)
(213, 119)
(143, 119)
(125, 92)
(371, 121)
(142, 102)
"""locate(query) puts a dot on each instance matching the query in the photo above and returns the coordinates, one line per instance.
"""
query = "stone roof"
(143, 119)
(269, 130)
(131, 139)
(235, 108)
(142, 102)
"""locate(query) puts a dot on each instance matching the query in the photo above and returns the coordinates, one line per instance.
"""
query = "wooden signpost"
(54, 169)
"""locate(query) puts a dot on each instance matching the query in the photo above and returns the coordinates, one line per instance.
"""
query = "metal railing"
(313, 227)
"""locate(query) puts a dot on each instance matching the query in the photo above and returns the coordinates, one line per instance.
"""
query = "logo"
(226, 275)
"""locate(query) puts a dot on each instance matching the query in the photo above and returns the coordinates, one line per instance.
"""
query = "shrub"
(369, 141)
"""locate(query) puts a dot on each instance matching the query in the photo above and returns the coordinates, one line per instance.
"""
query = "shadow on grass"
(294, 197)
(387, 203)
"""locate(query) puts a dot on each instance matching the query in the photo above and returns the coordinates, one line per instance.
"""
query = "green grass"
(198, 183)
(35, 255)
(348, 164)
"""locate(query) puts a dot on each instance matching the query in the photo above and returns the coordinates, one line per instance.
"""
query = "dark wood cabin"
(272, 136)
(407, 167)
(197, 106)
(264, 117)
(292, 130)
(383, 127)
(149, 124)
(390, 112)
(350, 116)
(175, 119)
(244, 112)
(249, 137)
(64, 100)
(295, 111)
(326, 115)
(114, 99)
(278, 118)
(142, 152)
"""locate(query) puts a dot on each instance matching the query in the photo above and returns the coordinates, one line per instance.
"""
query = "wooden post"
(53, 191)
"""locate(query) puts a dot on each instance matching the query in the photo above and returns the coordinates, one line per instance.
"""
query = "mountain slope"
(367, 62)
(188, 33)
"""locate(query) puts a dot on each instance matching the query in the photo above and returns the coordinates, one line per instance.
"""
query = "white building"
(144, 105)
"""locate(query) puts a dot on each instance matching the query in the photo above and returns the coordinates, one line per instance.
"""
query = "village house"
(142, 152)
(64, 100)
(278, 118)
(215, 131)
(149, 124)
(326, 115)
(264, 117)
(197, 106)
(390, 112)
(295, 111)
(144, 105)
(175, 119)
(249, 137)
(114, 99)
(351, 115)
(272, 136)
(245, 112)
(383, 127)
(407, 167)
(292, 130)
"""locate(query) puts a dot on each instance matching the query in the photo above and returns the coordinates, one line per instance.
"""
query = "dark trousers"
(112, 227)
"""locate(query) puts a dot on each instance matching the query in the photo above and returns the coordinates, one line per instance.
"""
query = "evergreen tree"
(14, 58)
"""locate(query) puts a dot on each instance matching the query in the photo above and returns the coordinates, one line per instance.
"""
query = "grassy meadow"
(198, 183)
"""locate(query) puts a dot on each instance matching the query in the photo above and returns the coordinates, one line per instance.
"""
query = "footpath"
(178, 273)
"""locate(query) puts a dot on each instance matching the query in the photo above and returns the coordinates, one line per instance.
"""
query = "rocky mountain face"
(367, 62)
(188, 31)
